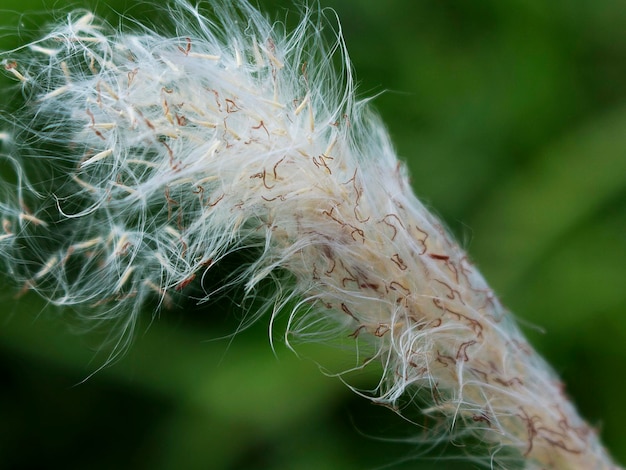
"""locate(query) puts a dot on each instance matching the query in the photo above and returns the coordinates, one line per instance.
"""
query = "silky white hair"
(143, 158)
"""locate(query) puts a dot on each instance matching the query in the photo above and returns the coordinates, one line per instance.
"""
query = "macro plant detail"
(141, 160)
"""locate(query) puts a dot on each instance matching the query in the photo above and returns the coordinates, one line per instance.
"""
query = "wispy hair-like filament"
(143, 158)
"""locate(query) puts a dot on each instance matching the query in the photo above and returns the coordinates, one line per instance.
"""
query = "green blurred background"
(512, 118)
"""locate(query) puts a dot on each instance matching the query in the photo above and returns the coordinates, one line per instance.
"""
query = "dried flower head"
(141, 160)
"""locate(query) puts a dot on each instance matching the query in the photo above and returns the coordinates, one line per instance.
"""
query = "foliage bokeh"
(512, 119)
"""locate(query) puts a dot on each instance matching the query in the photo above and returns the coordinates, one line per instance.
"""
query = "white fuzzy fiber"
(141, 159)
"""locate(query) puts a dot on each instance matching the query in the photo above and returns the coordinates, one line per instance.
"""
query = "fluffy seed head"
(143, 159)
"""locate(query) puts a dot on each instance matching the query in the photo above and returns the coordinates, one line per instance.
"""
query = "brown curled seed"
(399, 262)
(422, 240)
(355, 333)
(453, 292)
(369, 285)
(395, 285)
(185, 282)
(462, 352)
(262, 126)
(276, 165)
(320, 162)
(187, 48)
(483, 375)
(231, 106)
(93, 125)
(445, 359)
(217, 99)
(330, 214)
(131, 76)
(510, 382)
(395, 229)
(180, 119)
(359, 232)
(214, 203)
(345, 308)
(381, 330)
(315, 275)
(332, 267)
(170, 202)
(348, 279)
(481, 418)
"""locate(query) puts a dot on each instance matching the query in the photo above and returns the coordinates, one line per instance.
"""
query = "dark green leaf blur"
(512, 118)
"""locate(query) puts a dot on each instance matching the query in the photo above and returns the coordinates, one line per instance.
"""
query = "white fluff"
(143, 159)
